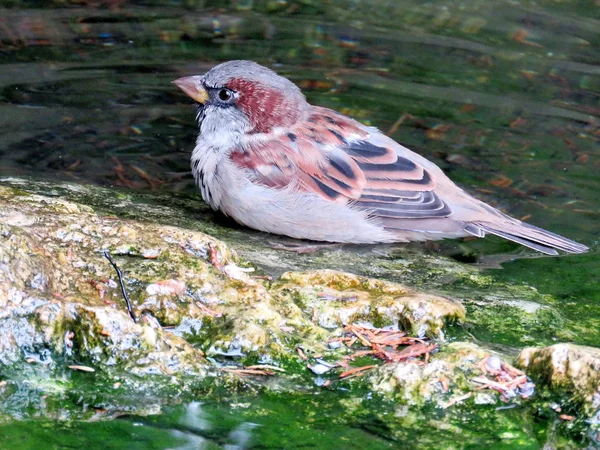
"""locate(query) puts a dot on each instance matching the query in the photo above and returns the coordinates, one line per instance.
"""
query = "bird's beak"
(192, 86)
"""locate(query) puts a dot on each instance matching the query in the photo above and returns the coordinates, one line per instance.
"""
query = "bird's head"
(244, 97)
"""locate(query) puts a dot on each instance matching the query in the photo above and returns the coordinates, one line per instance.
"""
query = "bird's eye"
(225, 95)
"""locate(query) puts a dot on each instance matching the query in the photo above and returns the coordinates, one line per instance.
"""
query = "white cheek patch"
(222, 128)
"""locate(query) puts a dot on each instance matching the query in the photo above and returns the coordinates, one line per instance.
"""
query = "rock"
(61, 296)
(199, 308)
(572, 370)
(55, 281)
(511, 313)
(446, 377)
(338, 298)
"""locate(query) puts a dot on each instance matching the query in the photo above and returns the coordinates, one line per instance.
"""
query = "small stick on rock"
(120, 275)
(356, 371)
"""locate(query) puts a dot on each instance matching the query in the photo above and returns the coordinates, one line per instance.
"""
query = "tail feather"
(532, 237)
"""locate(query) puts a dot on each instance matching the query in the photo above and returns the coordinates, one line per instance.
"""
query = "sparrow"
(267, 158)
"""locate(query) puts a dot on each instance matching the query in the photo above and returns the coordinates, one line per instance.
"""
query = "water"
(274, 422)
(504, 96)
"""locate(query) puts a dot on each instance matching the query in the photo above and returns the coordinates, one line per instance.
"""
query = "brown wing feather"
(332, 156)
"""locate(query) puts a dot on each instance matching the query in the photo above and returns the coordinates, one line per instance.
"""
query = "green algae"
(326, 420)
(509, 325)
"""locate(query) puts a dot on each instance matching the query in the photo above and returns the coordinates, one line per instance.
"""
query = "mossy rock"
(572, 371)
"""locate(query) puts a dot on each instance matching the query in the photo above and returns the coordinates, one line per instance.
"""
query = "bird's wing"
(338, 159)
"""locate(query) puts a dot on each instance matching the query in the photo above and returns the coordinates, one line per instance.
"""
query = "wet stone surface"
(62, 304)
(570, 369)
(211, 321)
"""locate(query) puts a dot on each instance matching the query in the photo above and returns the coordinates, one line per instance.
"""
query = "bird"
(273, 162)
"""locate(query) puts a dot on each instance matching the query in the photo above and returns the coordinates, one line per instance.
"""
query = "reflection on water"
(196, 420)
(197, 423)
(241, 436)
(503, 96)
(323, 421)
(195, 417)
(192, 442)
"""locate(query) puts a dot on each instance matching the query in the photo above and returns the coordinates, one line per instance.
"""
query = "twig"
(398, 122)
(355, 371)
(214, 257)
(82, 368)
(123, 291)
(490, 384)
(245, 371)
(265, 367)
(455, 400)
(301, 354)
